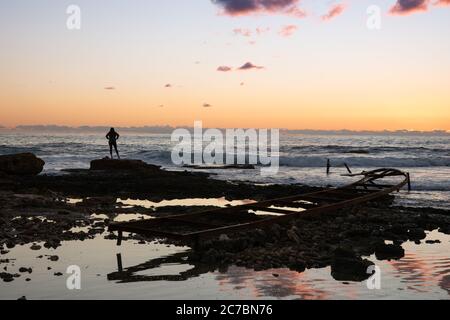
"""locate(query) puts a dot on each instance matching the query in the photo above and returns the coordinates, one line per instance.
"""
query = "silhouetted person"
(112, 137)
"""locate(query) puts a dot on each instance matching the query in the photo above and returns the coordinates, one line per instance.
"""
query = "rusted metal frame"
(296, 204)
(321, 198)
(145, 231)
(322, 209)
(274, 210)
(190, 222)
(325, 208)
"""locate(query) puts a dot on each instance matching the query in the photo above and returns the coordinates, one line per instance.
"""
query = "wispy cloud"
(168, 85)
(243, 32)
(443, 2)
(288, 30)
(250, 66)
(334, 11)
(224, 69)
(405, 7)
(207, 105)
(245, 7)
(109, 88)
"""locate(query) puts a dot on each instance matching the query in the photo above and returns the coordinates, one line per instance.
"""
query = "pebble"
(35, 247)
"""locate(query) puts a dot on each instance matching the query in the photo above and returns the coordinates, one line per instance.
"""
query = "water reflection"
(420, 271)
(424, 272)
(134, 273)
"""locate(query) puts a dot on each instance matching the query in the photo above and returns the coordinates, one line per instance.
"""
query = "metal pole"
(119, 262)
(348, 169)
(119, 238)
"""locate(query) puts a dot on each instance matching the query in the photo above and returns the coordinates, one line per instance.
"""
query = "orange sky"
(323, 75)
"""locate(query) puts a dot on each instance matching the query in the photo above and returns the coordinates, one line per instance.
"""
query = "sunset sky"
(308, 64)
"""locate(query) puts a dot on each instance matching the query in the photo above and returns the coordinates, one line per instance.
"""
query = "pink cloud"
(246, 7)
(288, 30)
(334, 11)
(243, 32)
(406, 7)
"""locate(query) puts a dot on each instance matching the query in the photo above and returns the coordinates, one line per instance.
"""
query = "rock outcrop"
(21, 164)
(107, 164)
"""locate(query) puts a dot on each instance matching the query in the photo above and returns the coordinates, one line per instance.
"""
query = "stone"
(292, 235)
(416, 234)
(6, 277)
(350, 269)
(35, 247)
(21, 164)
(346, 266)
(389, 251)
(23, 270)
(107, 164)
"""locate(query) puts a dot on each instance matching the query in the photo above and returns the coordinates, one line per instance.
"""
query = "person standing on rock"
(112, 137)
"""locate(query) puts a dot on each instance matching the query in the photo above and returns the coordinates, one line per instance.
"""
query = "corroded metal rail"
(212, 223)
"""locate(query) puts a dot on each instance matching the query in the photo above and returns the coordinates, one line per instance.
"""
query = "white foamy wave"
(314, 161)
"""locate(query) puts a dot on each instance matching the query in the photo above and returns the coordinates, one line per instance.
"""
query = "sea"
(302, 158)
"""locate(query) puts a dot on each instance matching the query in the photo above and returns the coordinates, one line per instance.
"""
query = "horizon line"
(158, 128)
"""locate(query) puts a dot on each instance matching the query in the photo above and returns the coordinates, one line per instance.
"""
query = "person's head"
(112, 130)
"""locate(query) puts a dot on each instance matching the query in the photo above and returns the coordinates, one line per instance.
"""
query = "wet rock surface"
(343, 240)
(36, 211)
(21, 164)
(108, 164)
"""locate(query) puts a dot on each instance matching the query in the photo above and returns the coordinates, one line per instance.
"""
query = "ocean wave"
(315, 162)
(362, 149)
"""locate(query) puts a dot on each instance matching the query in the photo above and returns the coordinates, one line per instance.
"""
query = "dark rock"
(35, 247)
(445, 229)
(23, 270)
(6, 277)
(21, 164)
(389, 251)
(432, 241)
(53, 258)
(346, 266)
(118, 165)
(58, 274)
(22, 298)
(357, 232)
(416, 234)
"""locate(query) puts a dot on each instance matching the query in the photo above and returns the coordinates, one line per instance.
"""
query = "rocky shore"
(40, 210)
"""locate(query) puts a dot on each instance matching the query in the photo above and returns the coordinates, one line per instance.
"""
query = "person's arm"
(107, 136)
(117, 136)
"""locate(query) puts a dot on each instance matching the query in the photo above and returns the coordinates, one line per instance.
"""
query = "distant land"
(56, 129)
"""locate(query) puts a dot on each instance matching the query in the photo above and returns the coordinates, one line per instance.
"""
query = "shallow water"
(424, 273)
